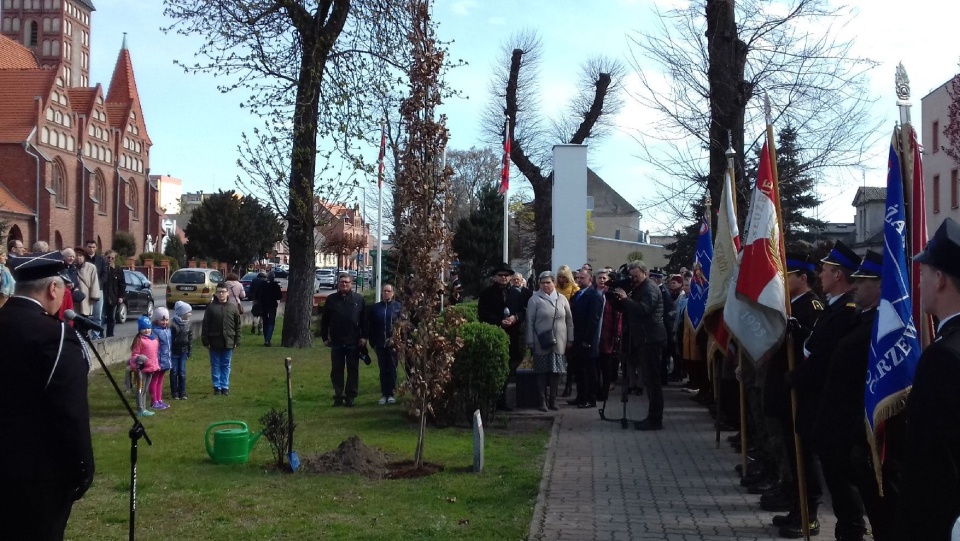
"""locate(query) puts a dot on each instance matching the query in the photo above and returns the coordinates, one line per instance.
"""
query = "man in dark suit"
(841, 439)
(46, 458)
(929, 500)
(810, 375)
(502, 306)
(587, 307)
(645, 338)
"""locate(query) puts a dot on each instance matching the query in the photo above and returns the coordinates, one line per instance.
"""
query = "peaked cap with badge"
(842, 256)
(28, 267)
(871, 266)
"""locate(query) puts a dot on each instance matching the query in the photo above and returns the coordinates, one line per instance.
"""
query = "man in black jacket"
(929, 500)
(502, 306)
(343, 328)
(810, 375)
(587, 307)
(46, 458)
(114, 288)
(645, 337)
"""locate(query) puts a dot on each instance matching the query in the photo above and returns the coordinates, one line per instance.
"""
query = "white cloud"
(463, 7)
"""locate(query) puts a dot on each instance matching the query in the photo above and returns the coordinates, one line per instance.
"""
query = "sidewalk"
(603, 482)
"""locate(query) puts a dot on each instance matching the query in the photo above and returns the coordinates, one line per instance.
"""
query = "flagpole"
(506, 198)
(791, 361)
(916, 235)
(731, 154)
(383, 135)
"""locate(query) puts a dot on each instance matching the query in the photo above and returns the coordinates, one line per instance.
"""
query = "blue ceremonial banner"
(895, 347)
(700, 283)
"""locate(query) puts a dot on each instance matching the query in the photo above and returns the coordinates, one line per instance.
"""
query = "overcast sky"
(196, 130)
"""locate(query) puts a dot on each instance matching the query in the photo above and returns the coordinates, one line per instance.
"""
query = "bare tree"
(314, 68)
(515, 87)
(472, 169)
(703, 68)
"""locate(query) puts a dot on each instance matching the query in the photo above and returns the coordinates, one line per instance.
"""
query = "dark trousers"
(848, 472)
(516, 358)
(109, 318)
(587, 374)
(387, 361)
(651, 363)
(35, 509)
(811, 466)
(607, 365)
(345, 357)
(269, 321)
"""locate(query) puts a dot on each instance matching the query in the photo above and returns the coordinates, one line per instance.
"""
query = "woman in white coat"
(549, 334)
(89, 282)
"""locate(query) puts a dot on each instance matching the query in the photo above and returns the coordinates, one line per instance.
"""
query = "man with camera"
(644, 338)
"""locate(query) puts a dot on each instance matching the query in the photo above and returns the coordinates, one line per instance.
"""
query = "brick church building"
(74, 159)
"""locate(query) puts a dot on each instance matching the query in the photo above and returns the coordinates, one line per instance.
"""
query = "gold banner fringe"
(886, 408)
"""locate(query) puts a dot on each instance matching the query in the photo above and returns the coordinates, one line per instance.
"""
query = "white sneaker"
(391, 400)
(382, 401)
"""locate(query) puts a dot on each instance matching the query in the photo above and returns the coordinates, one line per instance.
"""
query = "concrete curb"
(540, 509)
(116, 349)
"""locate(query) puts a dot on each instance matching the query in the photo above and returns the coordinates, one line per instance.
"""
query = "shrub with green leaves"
(466, 310)
(479, 372)
(124, 244)
(157, 257)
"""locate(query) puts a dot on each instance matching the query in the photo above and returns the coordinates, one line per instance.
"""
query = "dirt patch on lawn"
(406, 470)
(351, 456)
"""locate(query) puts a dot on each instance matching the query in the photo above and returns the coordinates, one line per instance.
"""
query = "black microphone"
(80, 322)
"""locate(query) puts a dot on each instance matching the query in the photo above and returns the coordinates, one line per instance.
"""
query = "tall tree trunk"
(729, 94)
(543, 224)
(301, 217)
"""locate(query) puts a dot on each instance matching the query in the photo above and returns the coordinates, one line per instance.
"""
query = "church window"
(109, 156)
(132, 200)
(71, 143)
(16, 24)
(7, 4)
(7, 24)
(66, 120)
(56, 25)
(49, 113)
(34, 32)
(69, 27)
(63, 97)
(86, 149)
(55, 48)
(45, 136)
(46, 24)
(100, 193)
(45, 50)
(57, 184)
(84, 81)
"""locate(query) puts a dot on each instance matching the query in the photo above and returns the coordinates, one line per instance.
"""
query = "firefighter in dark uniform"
(503, 306)
(805, 309)
(929, 499)
(810, 375)
(841, 437)
(46, 458)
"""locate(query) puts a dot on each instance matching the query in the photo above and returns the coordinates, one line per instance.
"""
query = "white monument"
(569, 206)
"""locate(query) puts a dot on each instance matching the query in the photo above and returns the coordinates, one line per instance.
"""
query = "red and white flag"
(756, 310)
(726, 244)
(505, 172)
(383, 153)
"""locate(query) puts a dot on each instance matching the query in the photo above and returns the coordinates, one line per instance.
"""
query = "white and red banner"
(756, 311)
(726, 244)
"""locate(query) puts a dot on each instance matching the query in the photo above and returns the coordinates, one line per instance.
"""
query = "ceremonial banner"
(895, 347)
(699, 284)
(725, 248)
(505, 169)
(756, 311)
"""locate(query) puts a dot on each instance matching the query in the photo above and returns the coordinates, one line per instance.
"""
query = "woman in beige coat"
(89, 282)
(549, 319)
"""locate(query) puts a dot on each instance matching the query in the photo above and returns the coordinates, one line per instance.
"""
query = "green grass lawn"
(183, 495)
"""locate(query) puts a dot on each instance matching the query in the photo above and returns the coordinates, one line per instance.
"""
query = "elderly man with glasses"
(112, 290)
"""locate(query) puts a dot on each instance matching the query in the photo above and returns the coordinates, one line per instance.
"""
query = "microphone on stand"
(82, 324)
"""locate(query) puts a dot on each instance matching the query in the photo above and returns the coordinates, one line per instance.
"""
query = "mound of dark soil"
(352, 456)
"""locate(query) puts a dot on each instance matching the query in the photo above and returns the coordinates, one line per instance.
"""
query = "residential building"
(169, 192)
(939, 170)
(74, 159)
(616, 229)
(871, 205)
(342, 238)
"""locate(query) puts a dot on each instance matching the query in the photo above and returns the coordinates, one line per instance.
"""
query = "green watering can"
(230, 445)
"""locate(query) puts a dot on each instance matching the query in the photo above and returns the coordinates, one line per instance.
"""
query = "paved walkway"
(603, 482)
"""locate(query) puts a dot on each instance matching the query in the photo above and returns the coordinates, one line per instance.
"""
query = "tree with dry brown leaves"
(427, 341)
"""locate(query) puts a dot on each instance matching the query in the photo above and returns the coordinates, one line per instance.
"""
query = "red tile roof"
(15, 56)
(123, 90)
(11, 205)
(81, 99)
(18, 110)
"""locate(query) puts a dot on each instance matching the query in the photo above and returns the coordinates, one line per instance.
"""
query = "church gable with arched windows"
(74, 163)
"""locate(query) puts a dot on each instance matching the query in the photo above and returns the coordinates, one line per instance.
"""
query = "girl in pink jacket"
(144, 361)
